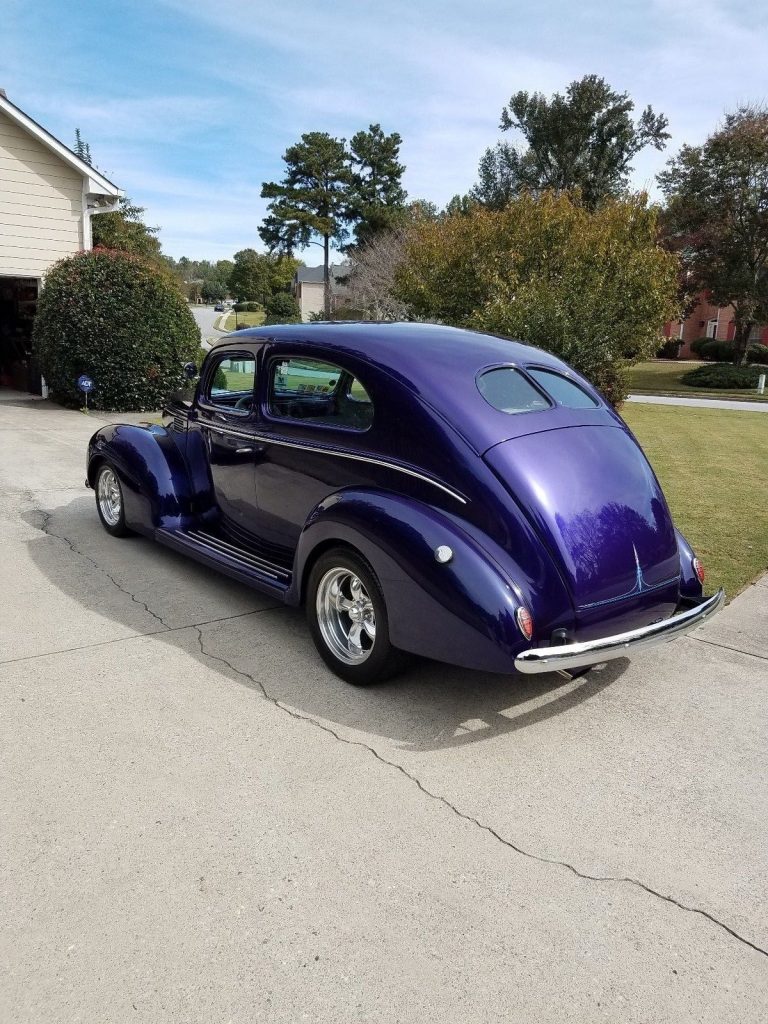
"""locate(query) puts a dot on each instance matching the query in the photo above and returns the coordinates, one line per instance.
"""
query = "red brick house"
(708, 321)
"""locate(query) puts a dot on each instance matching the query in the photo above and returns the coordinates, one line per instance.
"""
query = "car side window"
(231, 383)
(318, 392)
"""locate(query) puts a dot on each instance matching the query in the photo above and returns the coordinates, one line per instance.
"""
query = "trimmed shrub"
(247, 307)
(758, 354)
(670, 349)
(697, 344)
(722, 375)
(717, 351)
(282, 308)
(122, 321)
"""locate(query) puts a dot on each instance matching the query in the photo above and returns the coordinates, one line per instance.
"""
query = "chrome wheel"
(345, 616)
(109, 497)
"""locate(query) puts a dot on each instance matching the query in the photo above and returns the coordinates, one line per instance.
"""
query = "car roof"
(436, 362)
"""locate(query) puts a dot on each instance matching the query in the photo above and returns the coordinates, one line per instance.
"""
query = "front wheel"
(348, 620)
(109, 501)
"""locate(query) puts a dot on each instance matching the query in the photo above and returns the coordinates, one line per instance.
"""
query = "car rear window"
(505, 388)
(564, 391)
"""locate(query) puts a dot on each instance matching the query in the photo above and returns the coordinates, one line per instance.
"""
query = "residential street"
(205, 318)
(201, 824)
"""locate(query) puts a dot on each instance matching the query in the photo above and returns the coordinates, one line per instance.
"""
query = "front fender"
(156, 487)
(462, 612)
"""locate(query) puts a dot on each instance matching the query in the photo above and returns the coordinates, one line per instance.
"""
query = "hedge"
(722, 375)
(119, 319)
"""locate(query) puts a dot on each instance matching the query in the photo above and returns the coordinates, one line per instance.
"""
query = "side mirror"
(190, 371)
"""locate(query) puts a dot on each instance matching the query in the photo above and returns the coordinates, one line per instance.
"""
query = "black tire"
(379, 660)
(111, 509)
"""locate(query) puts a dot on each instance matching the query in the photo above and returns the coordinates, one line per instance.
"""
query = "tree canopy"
(376, 195)
(595, 288)
(583, 140)
(256, 276)
(717, 217)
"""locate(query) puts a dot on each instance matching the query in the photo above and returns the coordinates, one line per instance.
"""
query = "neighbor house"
(708, 321)
(47, 197)
(309, 289)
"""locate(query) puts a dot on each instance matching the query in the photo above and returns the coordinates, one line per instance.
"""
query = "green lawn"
(243, 320)
(662, 377)
(712, 467)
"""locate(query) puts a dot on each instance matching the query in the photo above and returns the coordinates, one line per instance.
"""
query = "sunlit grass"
(712, 465)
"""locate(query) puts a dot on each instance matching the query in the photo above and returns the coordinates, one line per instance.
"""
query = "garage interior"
(18, 303)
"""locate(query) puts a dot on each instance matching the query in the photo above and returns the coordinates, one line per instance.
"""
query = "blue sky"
(189, 104)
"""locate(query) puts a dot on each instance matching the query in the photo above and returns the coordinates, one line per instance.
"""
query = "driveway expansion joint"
(618, 879)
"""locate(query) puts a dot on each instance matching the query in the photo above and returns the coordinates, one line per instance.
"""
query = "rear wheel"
(348, 619)
(109, 501)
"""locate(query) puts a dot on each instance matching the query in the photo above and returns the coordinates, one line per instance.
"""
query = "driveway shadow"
(258, 643)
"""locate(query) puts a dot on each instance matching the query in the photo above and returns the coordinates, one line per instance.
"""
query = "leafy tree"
(583, 140)
(459, 204)
(282, 308)
(119, 318)
(376, 195)
(124, 229)
(249, 279)
(255, 276)
(717, 216)
(594, 288)
(311, 200)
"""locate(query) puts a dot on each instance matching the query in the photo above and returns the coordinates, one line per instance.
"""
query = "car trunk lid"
(597, 506)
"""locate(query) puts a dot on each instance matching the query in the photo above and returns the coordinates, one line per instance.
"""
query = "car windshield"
(506, 389)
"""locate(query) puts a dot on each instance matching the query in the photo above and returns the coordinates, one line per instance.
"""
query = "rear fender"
(156, 486)
(690, 585)
(463, 611)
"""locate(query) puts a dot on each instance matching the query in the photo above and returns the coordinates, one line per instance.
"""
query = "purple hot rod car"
(419, 489)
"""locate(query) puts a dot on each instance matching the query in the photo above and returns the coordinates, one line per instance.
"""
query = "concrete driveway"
(201, 824)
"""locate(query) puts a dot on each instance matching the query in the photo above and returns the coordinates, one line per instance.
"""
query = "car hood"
(594, 501)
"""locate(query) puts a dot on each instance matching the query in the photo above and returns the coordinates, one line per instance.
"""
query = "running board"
(230, 559)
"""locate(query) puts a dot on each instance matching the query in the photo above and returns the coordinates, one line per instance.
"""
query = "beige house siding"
(41, 204)
(311, 298)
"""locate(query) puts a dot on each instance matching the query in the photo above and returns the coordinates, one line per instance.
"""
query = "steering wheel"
(246, 402)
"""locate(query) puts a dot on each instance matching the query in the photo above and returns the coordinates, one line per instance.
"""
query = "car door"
(316, 418)
(226, 420)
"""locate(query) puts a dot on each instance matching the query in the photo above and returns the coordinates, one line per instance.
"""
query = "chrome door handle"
(243, 451)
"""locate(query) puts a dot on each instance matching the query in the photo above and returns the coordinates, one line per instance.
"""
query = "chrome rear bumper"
(592, 652)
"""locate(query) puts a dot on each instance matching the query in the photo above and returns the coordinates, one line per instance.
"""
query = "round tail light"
(525, 622)
(698, 568)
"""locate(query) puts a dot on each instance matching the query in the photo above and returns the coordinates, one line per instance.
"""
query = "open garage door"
(18, 303)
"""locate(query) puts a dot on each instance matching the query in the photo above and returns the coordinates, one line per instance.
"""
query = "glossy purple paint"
(555, 509)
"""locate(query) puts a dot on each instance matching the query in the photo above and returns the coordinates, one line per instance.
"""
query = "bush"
(594, 288)
(119, 319)
(697, 344)
(758, 354)
(722, 375)
(670, 349)
(717, 351)
(282, 308)
(247, 307)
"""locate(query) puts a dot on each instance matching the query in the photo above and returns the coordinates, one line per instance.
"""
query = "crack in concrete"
(623, 879)
(46, 529)
(140, 636)
(727, 647)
